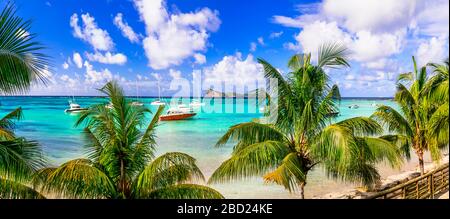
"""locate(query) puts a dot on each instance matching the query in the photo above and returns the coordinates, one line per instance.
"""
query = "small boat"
(74, 108)
(136, 103)
(178, 113)
(196, 103)
(353, 106)
(158, 102)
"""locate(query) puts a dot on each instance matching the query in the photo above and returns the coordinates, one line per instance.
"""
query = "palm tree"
(423, 120)
(21, 63)
(21, 59)
(121, 161)
(19, 159)
(303, 136)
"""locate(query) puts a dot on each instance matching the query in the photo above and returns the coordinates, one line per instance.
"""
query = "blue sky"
(139, 41)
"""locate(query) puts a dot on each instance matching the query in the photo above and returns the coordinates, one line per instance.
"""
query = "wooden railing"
(422, 187)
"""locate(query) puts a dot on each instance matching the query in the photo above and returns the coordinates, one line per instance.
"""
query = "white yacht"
(74, 107)
(196, 103)
(137, 102)
(158, 102)
(353, 106)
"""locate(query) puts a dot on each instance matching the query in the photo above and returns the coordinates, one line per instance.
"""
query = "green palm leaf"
(21, 60)
(13, 190)
(253, 160)
(167, 170)
(185, 191)
(78, 179)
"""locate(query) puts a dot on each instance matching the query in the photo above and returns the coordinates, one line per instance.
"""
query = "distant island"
(254, 93)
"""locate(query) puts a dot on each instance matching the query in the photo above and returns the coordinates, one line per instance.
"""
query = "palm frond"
(393, 120)
(167, 170)
(253, 160)
(19, 158)
(249, 133)
(21, 59)
(289, 174)
(13, 190)
(7, 124)
(333, 55)
(401, 142)
(362, 126)
(185, 191)
(78, 179)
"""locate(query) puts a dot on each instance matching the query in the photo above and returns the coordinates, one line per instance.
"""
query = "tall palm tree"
(303, 135)
(121, 162)
(423, 120)
(21, 63)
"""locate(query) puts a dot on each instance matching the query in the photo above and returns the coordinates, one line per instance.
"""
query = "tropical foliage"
(422, 123)
(303, 134)
(21, 63)
(21, 59)
(121, 161)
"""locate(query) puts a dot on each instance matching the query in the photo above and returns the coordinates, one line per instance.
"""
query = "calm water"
(45, 121)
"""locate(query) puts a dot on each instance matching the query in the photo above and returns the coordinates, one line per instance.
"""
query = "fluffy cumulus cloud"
(107, 58)
(234, 70)
(200, 58)
(173, 37)
(378, 33)
(96, 77)
(276, 35)
(126, 30)
(433, 50)
(77, 60)
(371, 15)
(89, 32)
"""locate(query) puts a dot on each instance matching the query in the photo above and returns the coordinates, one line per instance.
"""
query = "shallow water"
(45, 121)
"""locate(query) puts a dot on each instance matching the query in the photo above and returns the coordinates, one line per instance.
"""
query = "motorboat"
(157, 103)
(136, 103)
(353, 106)
(196, 103)
(178, 113)
(74, 108)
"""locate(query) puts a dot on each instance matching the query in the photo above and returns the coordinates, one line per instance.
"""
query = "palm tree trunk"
(421, 165)
(302, 190)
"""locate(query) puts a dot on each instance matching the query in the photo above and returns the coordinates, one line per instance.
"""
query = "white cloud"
(287, 21)
(126, 30)
(172, 38)
(318, 33)
(370, 15)
(77, 60)
(234, 70)
(253, 46)
(200, 58)
(174, 74)
(98, 38)
(276, 34)
(434, 50)
(433, 20)
(368, 47)
(65, 65)
(107, 58)
(261, 40)
(96, 77)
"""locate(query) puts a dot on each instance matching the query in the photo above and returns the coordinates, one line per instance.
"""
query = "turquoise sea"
(46, 122)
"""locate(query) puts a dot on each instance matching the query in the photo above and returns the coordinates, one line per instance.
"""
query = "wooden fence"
(422, 187)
